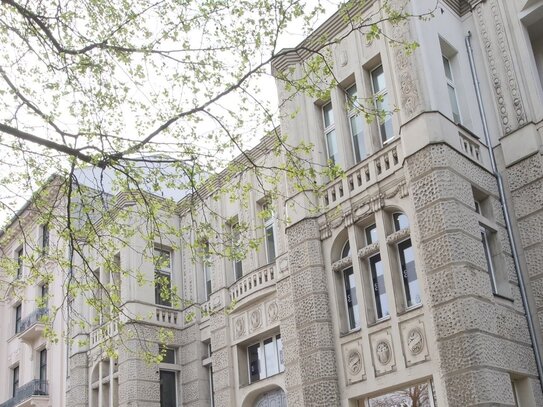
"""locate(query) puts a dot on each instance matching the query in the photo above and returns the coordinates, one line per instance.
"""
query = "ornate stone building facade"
(410, 286)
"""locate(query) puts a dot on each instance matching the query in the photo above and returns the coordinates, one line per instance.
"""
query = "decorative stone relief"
(382, 352)
(405, 65)
(342, 263)
(502, 72)
(368, 250)
(353, 362)
(273, 312)
(414, 341)
(239, 327)
(283, 265)
(255, 317)
(397, 236)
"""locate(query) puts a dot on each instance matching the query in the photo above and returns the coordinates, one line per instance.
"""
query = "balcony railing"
(26, 391)
(103, 332)
(368, 172)
(34, 318)
(254, 281)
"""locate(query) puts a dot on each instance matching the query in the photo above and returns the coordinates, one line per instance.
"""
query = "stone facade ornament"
(239, 327)
(273, 312)
(256, 319)
(368, 250)
(415, 341)
(354, 362)
(342, 263)
(383, 352)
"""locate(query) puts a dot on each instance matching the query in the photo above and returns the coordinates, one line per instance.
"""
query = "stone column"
(306, 326)
(194, 380)
(77, 393)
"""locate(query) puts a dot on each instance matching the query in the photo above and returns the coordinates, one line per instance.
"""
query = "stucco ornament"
(354, 362)
(239, 326)
(415, 341)
(256, 319)
(273, 312)
(383, 352)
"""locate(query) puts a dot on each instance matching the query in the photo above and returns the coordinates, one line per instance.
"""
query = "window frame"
(269, 225)
(15, 380)
(374, 280)
(19, 254)
(18, 317)
(453, 101)
(352, 113)
(380, 97)
(330, 129)
(161, 272)
(175, 388)
(237, 264)
(45, 238)
(42, 367)
(405, 282)
(261, 352)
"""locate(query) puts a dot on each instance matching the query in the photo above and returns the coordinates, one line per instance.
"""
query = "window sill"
(409, 309)
(261, 380)
(503, 297)
(352, 331)
(379, 321)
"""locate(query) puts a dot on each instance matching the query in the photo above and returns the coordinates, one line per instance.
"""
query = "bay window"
(265, 358)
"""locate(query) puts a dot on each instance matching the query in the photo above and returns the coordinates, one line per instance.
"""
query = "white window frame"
(486, 233)
(235, 233)
(330, 129)
(206, 267)
(352, 113)
(383, 95)
(450, 83)
(262, 361)
(163, 271)
(269, 223)
(45, 243)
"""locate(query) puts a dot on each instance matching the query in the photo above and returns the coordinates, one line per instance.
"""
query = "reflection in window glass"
(419, 395)
(379, 290)
(371, 234)
(272, 361)
(409, 273)
(351, 299)
(400, 221)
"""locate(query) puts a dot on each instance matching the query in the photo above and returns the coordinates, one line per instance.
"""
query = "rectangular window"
(379, 290)
(15, 381)
(19, 258)
(211, 390)
(168, 354)
(265, 358)
(45, 238)
(409, 273)
(207, 270)
(451, 89)
(351, 298)
(236, 248)
(330, 133)
(18, 311)
(380, 99)
(269, 231)
(371, 234)
(43, 368)
(163, 277)
(44, 296)
(355, 123)
(486, 236)
(168, 389)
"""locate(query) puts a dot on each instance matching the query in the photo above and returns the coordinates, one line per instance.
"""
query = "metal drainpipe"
(506, 213)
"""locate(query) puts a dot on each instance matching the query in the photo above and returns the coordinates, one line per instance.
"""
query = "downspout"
(506, 213)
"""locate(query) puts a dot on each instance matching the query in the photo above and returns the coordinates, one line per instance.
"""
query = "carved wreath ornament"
(354, 362)
(415, 341)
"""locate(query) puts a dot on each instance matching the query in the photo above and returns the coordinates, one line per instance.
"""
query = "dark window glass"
(168, 354)
(351, 299)
(45, 238)
(486, 236)
(371, 234)
(20, 263)
(45, 295)
(346, 252)
(270, 243)
(163, 296)
(168, 397)
(18, 311)
(379, 290)
(237, 264)
(207, 269)
(43, 367)
(15, 383)
(254, 362)
(409, 273)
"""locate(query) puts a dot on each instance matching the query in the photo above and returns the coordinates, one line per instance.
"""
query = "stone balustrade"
(256, 280)
(103, 332)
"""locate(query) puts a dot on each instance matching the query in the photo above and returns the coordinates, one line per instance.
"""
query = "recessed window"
(206, 260)
(411, 287)
(351, 299)
(451, 89)
(163, 276)
(18, 317)
(330, 133)
(400, 221)
(356, 124)
(168, 354)
(380, 98)
(269, 231)
(265, 358)
(19, 259)
(44, 293)
(486, 237)
(237, 264)
(378, 285)
(14, 381)
(168, 388)
(371, 234)
(45, 238)
(43, 368)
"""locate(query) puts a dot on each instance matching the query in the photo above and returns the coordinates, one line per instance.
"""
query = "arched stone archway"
(274, 398)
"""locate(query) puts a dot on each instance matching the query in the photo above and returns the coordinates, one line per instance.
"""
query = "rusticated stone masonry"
(306, 326)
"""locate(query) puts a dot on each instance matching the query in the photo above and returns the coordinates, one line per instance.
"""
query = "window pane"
(379, 290)
(358, 138)
(346, 252)
(371, 234)
(168, 397)
(332, 145)
(454, 103)
(254, 362)
(162, 259)
(328, 114)
(15, 383)
(18, 318)
(447, 66)
(270, 244)
(163, 289)
(485, 237)
(272, 361)
(351, 299)
(43, 365)
(168, 354)
(400, 221)
(378, 79)
(409, 273)
(351, 93)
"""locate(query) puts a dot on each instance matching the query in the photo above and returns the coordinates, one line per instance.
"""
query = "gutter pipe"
(506, 213)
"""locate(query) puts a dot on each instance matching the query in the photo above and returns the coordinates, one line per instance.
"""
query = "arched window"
(275, 398)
